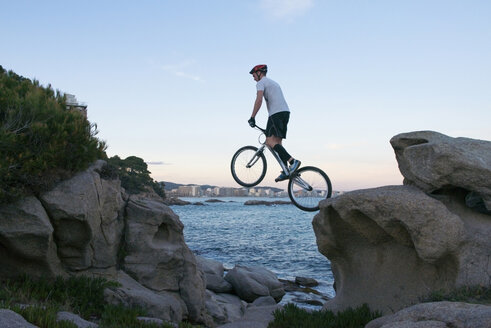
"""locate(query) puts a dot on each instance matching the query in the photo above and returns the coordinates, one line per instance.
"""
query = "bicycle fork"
(255, 158)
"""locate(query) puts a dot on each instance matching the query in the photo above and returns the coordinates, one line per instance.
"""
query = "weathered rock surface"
(253, 282)
(437, 314)
(166, 306)
(392, 245)
(26, 241)
(433, 161)
(84, 226)
(224, 307)
(87, 214)
(159, 258)
(213, 274)
(254, 317)
(75, 319)
(10, 319)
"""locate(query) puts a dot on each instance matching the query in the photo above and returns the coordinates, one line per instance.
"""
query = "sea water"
(279, 238)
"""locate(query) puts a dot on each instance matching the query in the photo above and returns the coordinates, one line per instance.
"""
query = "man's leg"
(275, 143)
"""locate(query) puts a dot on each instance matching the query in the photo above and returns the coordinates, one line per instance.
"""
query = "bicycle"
(307, 186)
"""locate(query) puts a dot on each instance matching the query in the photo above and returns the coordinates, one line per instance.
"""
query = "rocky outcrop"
(437, 314)
(86, 212)
(433, 161)
(157, 255)
(87, 225)
(392, 245)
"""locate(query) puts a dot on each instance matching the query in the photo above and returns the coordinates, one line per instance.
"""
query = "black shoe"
(295, 165)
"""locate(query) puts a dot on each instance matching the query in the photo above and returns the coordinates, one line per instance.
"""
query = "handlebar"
(259, 128)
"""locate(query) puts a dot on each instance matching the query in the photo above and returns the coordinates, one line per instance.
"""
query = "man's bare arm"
(257, 103)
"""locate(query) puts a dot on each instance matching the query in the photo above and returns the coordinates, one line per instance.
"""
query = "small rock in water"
(307, 282)
(264, 202)
(175, 201)
(213, 200)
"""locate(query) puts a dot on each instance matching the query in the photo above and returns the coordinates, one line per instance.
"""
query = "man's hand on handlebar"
(252, 122)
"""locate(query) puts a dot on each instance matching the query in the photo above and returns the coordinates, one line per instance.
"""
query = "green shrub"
(41, 142)
(292, 316)
(134, 175)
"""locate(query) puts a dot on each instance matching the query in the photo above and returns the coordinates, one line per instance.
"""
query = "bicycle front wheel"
(307, 187)
(248, 166)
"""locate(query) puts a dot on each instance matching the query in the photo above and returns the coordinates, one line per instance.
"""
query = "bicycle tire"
(252, 176)
(303, 198)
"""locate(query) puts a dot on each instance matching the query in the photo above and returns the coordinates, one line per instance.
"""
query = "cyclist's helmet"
(260, 68)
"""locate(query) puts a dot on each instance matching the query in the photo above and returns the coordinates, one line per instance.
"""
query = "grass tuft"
(467, 294)
(292, 316)
(39, 301)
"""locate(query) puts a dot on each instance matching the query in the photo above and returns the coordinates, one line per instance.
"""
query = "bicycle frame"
(261, 149)
(296, 179)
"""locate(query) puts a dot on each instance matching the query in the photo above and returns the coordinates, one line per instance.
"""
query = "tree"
(134, 175)
(41, 142)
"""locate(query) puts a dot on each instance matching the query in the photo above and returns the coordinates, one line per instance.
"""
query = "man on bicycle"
(279, 114)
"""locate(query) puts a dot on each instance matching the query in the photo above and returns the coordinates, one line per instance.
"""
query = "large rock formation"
(392, 245)
(85, 225)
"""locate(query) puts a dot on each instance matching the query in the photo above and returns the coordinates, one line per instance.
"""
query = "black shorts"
(277, 124)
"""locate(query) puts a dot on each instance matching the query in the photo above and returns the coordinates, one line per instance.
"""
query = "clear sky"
(168, 81)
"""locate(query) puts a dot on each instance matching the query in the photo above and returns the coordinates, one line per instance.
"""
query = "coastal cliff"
(391, 246)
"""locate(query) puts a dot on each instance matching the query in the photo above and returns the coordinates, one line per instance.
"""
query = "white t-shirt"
(275, 101)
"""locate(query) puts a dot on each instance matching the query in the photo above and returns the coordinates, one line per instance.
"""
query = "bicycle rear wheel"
(248, 166)
(308, 186)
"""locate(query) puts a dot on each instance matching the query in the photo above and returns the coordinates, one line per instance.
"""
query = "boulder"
(157, 256)
(213, 274)
(224, 308)
(250, 283)
(389, 246)
(86, 213)
(308, 282)
(264, 301)
(210, 266)
(217, 284)
(26, 241)
(165, 306)
(437, 314)
(10, 319)
(432, 161)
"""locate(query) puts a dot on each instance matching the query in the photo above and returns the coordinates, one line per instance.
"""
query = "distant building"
(189, 191)
(73, 104)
